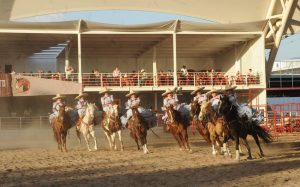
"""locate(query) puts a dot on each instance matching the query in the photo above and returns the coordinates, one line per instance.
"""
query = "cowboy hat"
(81, 95)
(229, 87)
(130, 93)
(104, 90)
(198, 89)
(213, 91)
(168, 91)
(58, 96)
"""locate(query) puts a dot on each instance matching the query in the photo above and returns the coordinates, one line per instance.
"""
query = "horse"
(178, 128)
(22, 85)
(215, 126)
(194, 113)
(86, 125)
(111, 125)
(60, 126)
(138, 129)
(240, 128)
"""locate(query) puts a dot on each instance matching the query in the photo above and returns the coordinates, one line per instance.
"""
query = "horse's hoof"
(249, 158)
(190, 151)
(180, 149)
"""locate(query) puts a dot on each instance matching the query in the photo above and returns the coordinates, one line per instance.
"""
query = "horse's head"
(170, 113)
(195, 108)
(205, 109)
(61, 113)
(90, 110)
(115, 109)
(225, 105)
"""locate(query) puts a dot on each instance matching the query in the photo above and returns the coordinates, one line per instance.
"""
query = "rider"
(81, 104)
(230, 92)
(244, 111)
(169, 99)
(172, 99)
(146, 114)
(214, 98)
(133, 101)
(106, 100)
(199, 96)
(58, 102)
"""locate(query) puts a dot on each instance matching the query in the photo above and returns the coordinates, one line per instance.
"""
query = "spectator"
(116, 72)
(250, 73)
(116, 76)
(143, 77)
(184, 71)
(69, 70)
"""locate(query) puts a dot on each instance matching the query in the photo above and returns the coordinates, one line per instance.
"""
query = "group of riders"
(170, 98)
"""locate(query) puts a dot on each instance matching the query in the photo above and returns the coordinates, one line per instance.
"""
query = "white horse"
(111, 125)
(86, 126)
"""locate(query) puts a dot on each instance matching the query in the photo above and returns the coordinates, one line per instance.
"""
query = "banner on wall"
(18, 85)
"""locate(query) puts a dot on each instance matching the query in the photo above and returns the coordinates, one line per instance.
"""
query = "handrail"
(155, 80)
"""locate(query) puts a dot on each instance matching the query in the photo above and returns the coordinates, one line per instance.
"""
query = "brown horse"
(60, 126)
(178, 128)
(138, 129)
(194, 113)
(215, 126)
(111, 125)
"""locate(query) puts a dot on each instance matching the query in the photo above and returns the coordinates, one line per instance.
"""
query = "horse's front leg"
(186, 139)
(237, 145)
(113, 138)
(120, 139)
(92, 132)
(226, 150)
(108, 139)
(85, 134)
(64, 140)
(144, 140)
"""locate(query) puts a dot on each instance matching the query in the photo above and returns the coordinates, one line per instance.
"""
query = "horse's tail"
(263, 134)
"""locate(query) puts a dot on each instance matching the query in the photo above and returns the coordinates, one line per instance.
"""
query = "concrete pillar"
(79, 60)
(175, 60)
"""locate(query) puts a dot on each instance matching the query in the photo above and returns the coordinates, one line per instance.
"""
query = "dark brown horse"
(138, 129)
(203, 131)
(60, 126)
(178, 128)
(111, 125)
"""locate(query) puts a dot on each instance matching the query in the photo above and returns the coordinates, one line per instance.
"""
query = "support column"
(79, 59)
(154, 67)
(175, 59)
(155, 101)
(67, 62)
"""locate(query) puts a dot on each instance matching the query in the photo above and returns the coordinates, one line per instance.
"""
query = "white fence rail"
(24, 122)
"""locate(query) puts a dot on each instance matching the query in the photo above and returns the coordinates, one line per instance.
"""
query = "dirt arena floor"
(29, 157)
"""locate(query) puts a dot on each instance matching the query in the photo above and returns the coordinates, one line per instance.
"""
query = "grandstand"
(216, 54)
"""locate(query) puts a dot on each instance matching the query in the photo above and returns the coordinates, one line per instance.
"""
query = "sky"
(289, 48)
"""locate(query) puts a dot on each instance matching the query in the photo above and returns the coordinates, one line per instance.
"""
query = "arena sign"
(17, 85)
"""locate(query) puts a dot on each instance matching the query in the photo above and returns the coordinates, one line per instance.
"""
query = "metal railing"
(53, 76)
(167, 79)
(24, 122)
(154, 80)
